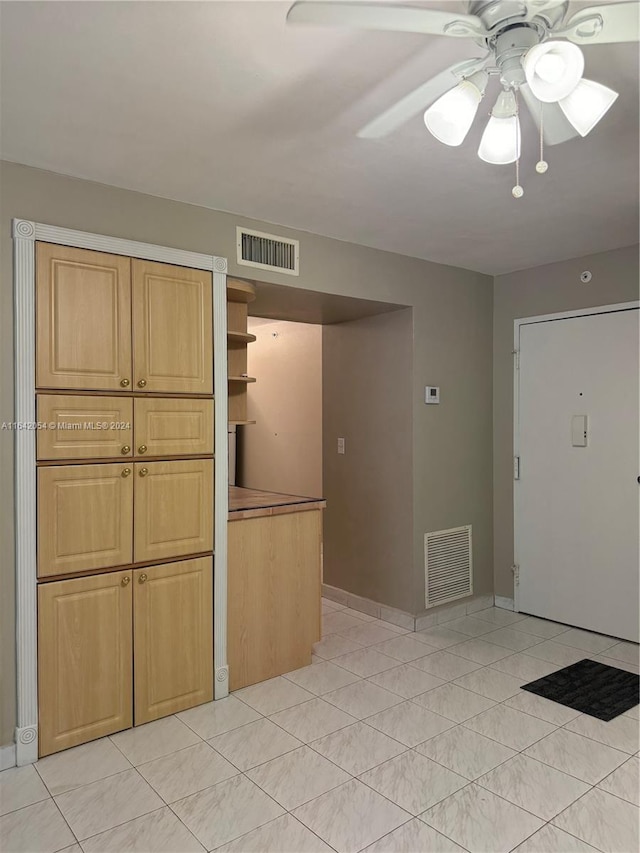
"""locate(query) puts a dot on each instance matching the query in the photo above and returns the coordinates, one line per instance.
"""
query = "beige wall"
(367, 378)
(282, 451)
(452, 316)
(541, 290)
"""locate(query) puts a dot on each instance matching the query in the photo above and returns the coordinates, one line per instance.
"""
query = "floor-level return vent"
(267, 251)
(448, 565)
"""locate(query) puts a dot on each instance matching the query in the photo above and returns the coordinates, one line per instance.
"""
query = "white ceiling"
(221, 104)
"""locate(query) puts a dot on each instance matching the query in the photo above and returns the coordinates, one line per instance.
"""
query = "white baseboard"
(504, 603)
(7, 756)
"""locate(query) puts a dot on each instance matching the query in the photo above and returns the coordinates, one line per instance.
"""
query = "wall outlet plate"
(432, 394)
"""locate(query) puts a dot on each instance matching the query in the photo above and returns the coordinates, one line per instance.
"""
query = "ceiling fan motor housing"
(510, 47)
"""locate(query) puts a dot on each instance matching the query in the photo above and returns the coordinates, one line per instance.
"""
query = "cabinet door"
(84, 427)
(173, 328)
(85, 517)
(83, 314)
(173, 427)
(173, 637)
(84, 659)
(173, 509)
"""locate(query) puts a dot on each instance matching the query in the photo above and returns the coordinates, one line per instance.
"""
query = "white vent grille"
(447, 565)
(267, 251)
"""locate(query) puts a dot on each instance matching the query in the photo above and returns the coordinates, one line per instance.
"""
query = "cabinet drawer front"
(85, 517)
(84, 659)
(170, 427)
(173, 509)
(173, 637)
(83, 315)
(83, 427)
(173, 328)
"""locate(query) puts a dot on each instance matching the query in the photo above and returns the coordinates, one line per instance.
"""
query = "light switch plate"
(341, 446)
(432, 394)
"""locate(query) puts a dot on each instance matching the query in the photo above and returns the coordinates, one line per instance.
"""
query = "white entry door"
(577, 507)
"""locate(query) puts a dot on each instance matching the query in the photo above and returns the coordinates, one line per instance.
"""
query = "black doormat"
(594, 688)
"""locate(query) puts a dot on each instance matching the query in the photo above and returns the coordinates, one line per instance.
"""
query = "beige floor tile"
(586, 640)
(73, 848)
(445, 665)
(629, 652)
(297, 777)
(624, 782)
(541, 627)
(409, 723)
(453, 702)
(440, 637)
(525, 667)
(81, 765)
(332, 605)
(107, 803)
(545, 709)
(157, 832)
(337, 621)
(39, 828)
(357, 748)
(498, 616)
(577, 755)
(479, 821)
(509, 727)
(144, 743)
(273, 695)
(620, 733)
(362, 699)
(465, 752)
(371, 633)
(184, 772)
(470, 626)
(351, 817)
(533, 786)
(228, 810)
(479, 651)
(365, 662)
(556, 653)
(366, 617)
(602, 820)
(254, 744)
(322, 677)
(406, 681)
(404, 648)
(490, 683)
(284, 834)
(413, 836)
(20, 787)
(511, 638)
(413, 782)
(312, 720)
(218, 717)
(618, 664)
(333, 646)
(550, 839)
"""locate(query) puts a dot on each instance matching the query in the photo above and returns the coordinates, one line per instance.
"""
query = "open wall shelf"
(239, 294)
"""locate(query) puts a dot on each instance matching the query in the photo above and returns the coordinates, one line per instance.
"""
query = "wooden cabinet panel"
(84, 659)
(169, 427)
(273, 593)
(83, 315)
(173, 637)
(173, 509)
(85, 517)
(84, 427)
(172, 320)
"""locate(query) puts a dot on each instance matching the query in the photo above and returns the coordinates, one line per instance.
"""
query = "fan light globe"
(500, 143)
(587, 104)
(553, 70)
(451, 116)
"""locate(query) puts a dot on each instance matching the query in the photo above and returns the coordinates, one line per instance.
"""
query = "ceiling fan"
(532, 46)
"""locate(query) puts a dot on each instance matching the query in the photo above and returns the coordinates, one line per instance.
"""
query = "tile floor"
(390, 741)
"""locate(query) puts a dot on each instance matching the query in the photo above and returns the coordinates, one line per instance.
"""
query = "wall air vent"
(267, 251)
(448, 565)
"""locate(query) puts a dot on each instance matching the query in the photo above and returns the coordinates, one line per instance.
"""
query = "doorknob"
(142, 578)
(144, 472)
(142, 448)
(126, 472)
(142, 383)
(125, 449)
(124, 383)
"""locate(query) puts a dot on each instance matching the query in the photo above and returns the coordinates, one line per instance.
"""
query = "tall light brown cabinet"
(125, 465)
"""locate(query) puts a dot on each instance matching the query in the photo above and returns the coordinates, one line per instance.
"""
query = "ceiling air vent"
(267, 251)
(447, 565)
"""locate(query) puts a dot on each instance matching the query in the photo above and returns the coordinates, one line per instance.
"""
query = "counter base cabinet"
(84, 659)
(274, 565)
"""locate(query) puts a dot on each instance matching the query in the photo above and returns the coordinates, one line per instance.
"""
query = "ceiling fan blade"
(606, 24)
(537, 7)
(419, 99)
(386, 16)
(556, 127)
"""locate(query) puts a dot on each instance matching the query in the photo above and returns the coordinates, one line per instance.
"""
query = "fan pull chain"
(517, 191)
(541, 165)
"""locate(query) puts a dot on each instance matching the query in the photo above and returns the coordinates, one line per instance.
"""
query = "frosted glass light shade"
(587, 104)
(500, 143)
(451, 116)
(553, 69)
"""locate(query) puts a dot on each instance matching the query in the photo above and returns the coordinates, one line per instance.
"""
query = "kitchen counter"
(253, 503)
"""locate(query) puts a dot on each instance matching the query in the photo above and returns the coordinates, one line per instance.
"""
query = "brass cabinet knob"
(126, 472)
(125, 449)
(125, 581)
(124, 383)
(142, 383)
(142, 578)
(144, 472)
(142, 448)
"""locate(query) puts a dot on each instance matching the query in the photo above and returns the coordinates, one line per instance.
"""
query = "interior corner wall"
(542, 290)
(367, 400)
(452, 325)
(282, 451)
